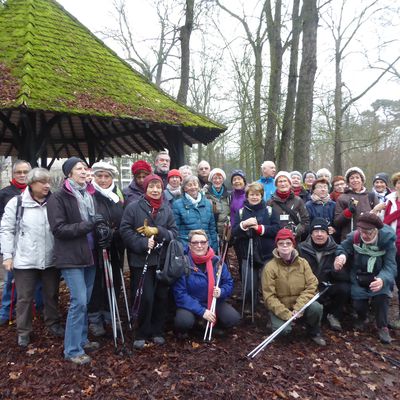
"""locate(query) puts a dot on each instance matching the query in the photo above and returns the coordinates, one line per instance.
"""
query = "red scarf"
(20, 186)
(297, 190)
(207, 259)
(390, 217)
(155, 204)
(283, 195)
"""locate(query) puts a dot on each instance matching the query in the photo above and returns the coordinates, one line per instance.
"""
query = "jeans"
(80, 283)
(7, 294)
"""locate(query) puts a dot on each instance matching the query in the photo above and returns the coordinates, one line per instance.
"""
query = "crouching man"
(372, 260)
(288, 284)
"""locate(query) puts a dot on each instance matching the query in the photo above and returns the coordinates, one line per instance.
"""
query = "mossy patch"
(59, 65)
(9, 86)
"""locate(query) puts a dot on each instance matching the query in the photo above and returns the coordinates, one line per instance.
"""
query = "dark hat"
(149, 178)
(381, 176)
(69, 164)
(320, 224)
(141, 165)
(285, 234)
(369, 221)
(238, 172)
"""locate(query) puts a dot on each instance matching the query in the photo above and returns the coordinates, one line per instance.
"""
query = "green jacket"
(287, 288)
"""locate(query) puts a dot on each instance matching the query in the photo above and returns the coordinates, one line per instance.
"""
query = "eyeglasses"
(199, 242)
(368, 232)
(285, 244)
(21, 172)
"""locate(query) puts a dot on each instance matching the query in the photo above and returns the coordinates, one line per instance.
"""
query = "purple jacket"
(132, 192)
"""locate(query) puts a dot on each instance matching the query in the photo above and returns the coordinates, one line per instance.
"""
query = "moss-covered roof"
(49, 61)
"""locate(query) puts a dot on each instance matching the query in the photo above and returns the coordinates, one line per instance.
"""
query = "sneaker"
(23, 340)
(359, 324)
(319, 340)
(384, 336)
(158, 340)
(91, 346)
(56, 330)
(334, 323)
(139, 344)
(395, 324)
(80, 360)
(97, 329)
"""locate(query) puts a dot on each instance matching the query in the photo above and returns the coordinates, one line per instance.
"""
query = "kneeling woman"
(288, 284)
(146, 225)
(194, 293)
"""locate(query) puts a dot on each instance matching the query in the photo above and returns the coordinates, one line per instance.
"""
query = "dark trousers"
(227, 317)
(25, 282)
(246, 267)
(99, 304)
(380, 306)
(336, 298)
(398, 278)
(153, 304)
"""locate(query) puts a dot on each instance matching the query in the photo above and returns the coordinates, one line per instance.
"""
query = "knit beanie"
(216, 171)
(238, 172)
(285, 174)
(285, 234)
(141, 165)
(308, 172)
(354, 170)
(174, 172)
(69, 164)
(321, 173)
(103, 166)
(319, 224)
(149, 178)
(297, 173)
(381, 176)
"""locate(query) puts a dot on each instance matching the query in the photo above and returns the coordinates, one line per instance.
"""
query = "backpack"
(176, 263)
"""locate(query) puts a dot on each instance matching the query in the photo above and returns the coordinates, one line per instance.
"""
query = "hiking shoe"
(158, 340)
(359, 324)
(23, 340)
(395, 324)
(91, 346)
(139, 344)
(80, 360)
(56, 330)
(319, 340)
(384, 336)
(334, 323)
(97, 329)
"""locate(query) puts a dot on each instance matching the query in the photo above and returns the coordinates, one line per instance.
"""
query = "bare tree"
(304, 104)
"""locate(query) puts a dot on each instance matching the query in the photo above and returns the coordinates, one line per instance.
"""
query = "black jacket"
(71, 244)
(322, 264)
(6, 195)
(134, 215)
(263, 243)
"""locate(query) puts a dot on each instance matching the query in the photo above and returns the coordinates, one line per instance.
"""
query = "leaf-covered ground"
(290, 368)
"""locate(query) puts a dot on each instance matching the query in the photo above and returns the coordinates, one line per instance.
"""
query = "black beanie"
(319, 223)
(69, 164)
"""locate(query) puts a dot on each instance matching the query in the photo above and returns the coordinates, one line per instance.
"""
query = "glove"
(352, 206)
(103, 235)
(146, 230)
(98, 219)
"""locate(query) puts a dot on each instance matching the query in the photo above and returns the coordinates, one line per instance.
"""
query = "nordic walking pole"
(125, 299)
(271, 337)
(225, 246)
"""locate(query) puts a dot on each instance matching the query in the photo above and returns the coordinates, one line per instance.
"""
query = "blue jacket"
(269, 187)
(385, 266)
(190, 292)
(189, 217)
(326, 211)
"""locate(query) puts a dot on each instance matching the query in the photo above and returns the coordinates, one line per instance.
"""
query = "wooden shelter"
(63, 93)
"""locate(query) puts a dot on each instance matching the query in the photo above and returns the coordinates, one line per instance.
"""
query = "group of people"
(292, 233)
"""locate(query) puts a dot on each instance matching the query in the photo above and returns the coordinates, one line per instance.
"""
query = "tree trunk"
(304, 105)
(287, 124)
(186, 31)
(274, 92)
(337, 155)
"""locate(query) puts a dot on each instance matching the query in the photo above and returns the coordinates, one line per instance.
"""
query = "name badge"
(284, 217)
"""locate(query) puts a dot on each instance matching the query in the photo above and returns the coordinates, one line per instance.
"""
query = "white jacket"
(33, 246)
